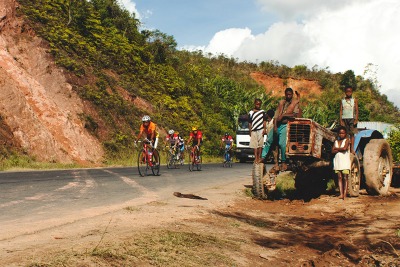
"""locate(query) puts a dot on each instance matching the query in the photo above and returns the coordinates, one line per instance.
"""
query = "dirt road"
(228, 228)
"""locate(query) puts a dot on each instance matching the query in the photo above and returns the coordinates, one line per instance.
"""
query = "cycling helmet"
(226, 134)
(171, 131)
(146, 118)
(194, 128)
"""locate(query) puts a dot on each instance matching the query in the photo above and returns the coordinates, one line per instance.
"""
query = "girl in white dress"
(341, 161)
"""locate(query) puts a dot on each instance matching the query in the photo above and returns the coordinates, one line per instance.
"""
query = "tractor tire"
(260, 190)
(378, 164)
(354, 179)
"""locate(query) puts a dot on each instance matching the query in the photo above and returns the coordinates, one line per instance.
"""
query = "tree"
(348, 79)
(394, 141)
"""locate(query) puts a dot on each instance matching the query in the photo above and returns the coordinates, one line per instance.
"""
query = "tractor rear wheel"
(378, 164)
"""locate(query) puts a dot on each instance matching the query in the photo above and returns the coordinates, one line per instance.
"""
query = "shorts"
(350, 126)
(257, 139)
(343, 171)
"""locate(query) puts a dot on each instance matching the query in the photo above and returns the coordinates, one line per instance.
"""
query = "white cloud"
(340, 34)
(228, 41)
(299, 9)
(131, 7)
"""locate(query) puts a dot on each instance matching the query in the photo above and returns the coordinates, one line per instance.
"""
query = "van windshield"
(243, 125)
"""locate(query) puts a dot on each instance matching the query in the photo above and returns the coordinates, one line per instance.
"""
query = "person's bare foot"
(284, 167)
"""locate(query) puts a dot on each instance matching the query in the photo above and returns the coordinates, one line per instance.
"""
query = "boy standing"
(257, 126)
(349, 114)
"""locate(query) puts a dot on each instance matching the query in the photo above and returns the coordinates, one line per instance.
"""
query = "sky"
(339, 34)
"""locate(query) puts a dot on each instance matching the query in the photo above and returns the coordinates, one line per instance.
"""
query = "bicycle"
(146, 160)
(227, 158)
(195, 159)
(173, 157)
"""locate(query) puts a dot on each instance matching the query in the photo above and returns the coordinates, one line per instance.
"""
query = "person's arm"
(279, 111)
(176, 142)
(190, 139)
(346, 145)
(355, 111)
(334, 148)
(139, 135)
(264, 124)
(297, 113)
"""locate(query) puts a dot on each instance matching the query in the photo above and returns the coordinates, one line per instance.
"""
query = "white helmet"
(171, 131)
(146, 118)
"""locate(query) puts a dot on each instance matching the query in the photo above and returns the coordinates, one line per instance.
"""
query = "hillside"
(77, 77)
(275, 85)
(40, 111)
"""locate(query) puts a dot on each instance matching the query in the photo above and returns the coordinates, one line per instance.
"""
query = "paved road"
(51, 198)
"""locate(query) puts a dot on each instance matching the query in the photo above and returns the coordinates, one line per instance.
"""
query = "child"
(349, 114)
(257, 126)
(341, 161)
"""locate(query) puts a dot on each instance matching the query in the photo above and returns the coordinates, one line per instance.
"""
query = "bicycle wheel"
(225, 164)
(198, 162)
(191, 161)
(229, 160)
(155, 158)
(142, 164)
(170, 160)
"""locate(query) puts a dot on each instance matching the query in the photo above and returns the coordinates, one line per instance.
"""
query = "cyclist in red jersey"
(196, 136)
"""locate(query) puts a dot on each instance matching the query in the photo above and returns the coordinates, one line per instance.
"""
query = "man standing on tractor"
(288, 109)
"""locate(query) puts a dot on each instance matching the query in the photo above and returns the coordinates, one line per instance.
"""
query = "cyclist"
(228, 140)
(181, 147)
(149, 128)
(171, 140)
(196, 137)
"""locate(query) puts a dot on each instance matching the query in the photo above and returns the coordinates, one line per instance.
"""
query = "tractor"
(308, 153)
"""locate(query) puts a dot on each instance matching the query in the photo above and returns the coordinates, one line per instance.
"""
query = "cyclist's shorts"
(227, 146)
(195, 143)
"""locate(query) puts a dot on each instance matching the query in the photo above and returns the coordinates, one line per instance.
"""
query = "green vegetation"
(100, 44)
(15, 161)
(394, 141)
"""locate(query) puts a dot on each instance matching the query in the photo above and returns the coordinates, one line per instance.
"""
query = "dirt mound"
(276, 85)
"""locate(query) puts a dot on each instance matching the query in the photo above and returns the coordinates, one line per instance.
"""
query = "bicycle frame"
(147, 152)
(148, 159)
(195, 159)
